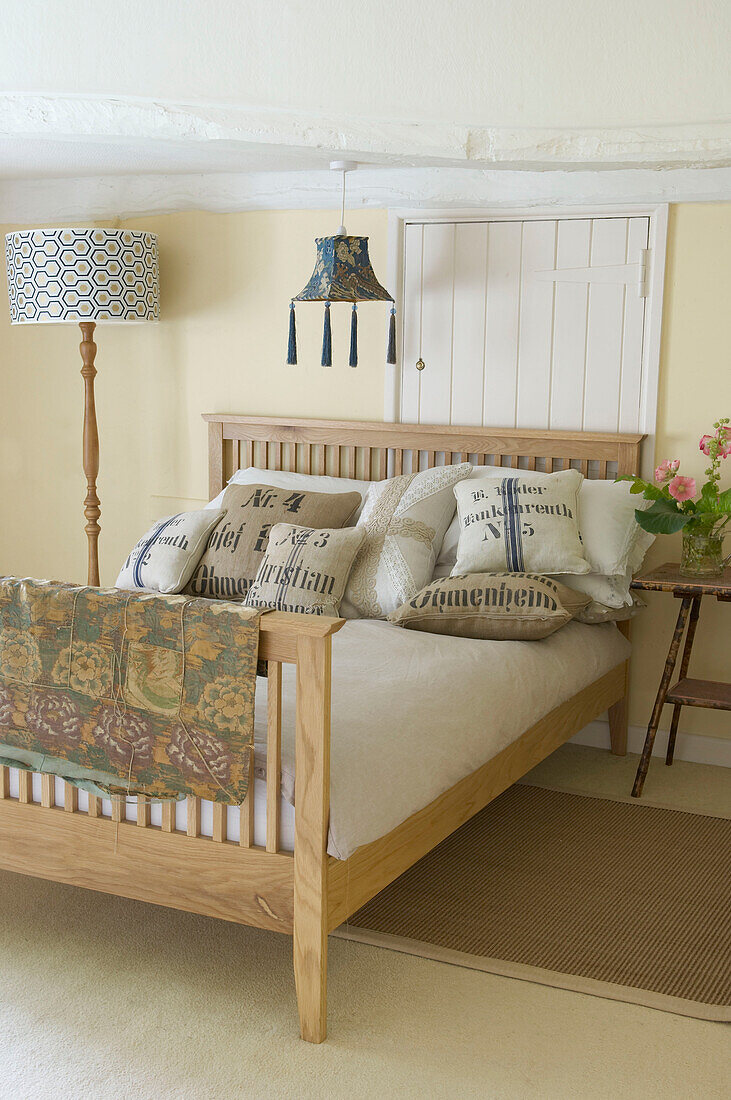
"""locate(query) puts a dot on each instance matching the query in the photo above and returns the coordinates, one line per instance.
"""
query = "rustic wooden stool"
(686, 692)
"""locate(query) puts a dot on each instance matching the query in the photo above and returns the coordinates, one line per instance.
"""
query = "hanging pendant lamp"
(343, 273)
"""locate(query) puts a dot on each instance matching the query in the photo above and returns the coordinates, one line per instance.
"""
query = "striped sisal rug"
(616, 899)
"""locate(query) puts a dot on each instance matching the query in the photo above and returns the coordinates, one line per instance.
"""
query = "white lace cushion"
(520, 524)
(404, 519)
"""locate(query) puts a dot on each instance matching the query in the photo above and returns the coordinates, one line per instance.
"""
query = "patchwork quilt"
(156, 691)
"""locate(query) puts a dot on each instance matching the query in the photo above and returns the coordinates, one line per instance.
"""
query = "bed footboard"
(50, 829)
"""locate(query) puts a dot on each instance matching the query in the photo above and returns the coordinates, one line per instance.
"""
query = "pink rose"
(705, 444)
(682, 488)
(666, 470)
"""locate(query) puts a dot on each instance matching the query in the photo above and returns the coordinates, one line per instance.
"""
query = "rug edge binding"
(574, 983)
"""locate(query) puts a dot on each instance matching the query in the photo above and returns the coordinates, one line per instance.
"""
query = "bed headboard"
(372, 451)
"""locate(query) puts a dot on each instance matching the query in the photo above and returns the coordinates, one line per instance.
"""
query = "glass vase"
(702, 556)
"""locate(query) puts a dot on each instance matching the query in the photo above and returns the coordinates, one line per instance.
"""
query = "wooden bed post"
(215, 459)
(619, 711)
(312, 813)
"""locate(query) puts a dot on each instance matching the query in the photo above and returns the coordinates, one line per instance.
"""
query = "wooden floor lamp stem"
(92, 511)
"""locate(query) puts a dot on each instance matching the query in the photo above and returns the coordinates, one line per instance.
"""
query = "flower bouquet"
(675, 507)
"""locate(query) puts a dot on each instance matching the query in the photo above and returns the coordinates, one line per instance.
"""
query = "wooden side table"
(686, 692)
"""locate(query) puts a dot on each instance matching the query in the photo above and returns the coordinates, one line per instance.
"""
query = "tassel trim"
(292, 345)
(391, 350)
(354, 337)
(327, 339)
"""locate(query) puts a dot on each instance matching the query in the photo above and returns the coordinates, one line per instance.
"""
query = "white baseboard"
(688, 746)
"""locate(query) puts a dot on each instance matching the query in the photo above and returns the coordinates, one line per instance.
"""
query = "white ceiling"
(156, 105)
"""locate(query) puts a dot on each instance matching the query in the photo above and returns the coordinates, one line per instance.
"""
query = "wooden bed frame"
(306, 893)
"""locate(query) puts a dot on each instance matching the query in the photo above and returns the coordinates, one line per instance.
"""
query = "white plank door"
(535, 323)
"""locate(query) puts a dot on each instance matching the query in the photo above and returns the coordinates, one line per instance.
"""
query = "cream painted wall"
(221, 347)
(695, 389)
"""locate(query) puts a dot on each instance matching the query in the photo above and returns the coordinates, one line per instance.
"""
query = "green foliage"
(708, 514)
(661, 518)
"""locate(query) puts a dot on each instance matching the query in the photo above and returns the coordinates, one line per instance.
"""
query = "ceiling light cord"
(342, 207)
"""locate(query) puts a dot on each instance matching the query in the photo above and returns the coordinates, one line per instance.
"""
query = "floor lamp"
(86, 276)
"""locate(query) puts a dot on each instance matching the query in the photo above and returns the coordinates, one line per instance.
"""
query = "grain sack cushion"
(612, 539)
(498, 606)
(404, 520)
(520, 524)
(236, 545)
(308, 483)
(305, 570)
(165, 557)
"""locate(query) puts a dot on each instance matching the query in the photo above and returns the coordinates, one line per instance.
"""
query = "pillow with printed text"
(165, 557)
(520, 524)
(236, 545)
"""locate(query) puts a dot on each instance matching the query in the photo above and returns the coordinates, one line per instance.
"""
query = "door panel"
(528, 323)
(504, 242)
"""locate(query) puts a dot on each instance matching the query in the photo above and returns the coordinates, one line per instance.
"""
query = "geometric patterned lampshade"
(73, 275)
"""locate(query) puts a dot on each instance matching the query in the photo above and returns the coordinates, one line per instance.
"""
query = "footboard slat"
(274, 753)
(143, 812)
(168, 817)
(48, 790)
(119, 809)
(194, 817)
(246, 818)
(25, 786)
(95, 806)
(4, 782)
(219, 822)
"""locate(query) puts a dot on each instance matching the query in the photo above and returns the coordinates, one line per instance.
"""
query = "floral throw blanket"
(157, 691)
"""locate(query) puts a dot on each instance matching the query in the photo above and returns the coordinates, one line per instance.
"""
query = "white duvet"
(413, 713)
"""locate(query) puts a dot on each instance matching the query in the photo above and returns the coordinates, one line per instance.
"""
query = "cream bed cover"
(412, 714)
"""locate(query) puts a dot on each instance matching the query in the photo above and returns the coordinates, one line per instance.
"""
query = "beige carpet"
(107, 998)
(619, 899)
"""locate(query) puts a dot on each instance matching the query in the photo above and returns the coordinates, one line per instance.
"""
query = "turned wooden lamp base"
(92, 511)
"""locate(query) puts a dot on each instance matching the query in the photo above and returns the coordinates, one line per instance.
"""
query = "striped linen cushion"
(166, 556)
(520, 524)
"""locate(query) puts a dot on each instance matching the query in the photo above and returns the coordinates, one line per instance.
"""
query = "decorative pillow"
(237, 544)
(166, 556)
(305, 570)
(599, 613)
(612, 539)
(608, 591)
(520, 524)
(308, 483)
(404, 520)
(503, 606)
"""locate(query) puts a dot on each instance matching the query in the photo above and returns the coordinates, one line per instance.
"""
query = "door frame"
(657, 243)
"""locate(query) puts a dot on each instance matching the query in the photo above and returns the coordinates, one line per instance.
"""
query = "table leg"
(685, 661)
(660, 699)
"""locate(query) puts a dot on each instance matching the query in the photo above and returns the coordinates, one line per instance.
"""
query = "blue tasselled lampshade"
(343, 273)
(73, 275)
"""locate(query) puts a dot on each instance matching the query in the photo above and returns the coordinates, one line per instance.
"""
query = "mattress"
(412, 714)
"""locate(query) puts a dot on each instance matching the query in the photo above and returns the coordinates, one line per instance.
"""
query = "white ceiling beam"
(385, 141)
(103, 198)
